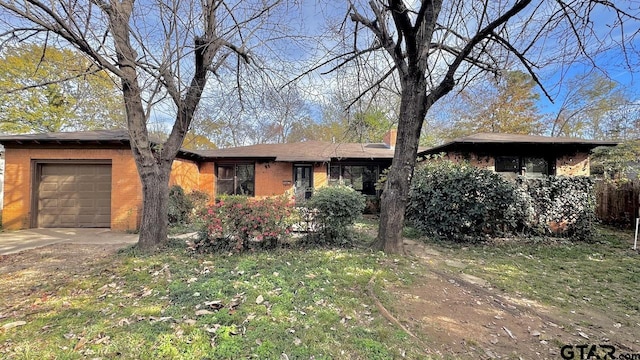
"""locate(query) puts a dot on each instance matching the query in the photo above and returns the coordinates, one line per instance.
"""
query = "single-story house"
(527, 155)
(89, 179)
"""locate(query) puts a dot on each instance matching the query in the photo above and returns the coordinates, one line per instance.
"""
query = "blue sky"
(310, 19)
(612, 62)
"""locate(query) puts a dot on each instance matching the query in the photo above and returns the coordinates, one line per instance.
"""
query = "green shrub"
(179, 206)
(338, 208)
(463, 203)
(199, 201)
(239, 223)
(561, 206)
(186, 209)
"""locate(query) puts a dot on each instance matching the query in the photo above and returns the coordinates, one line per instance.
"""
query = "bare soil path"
(465, 317)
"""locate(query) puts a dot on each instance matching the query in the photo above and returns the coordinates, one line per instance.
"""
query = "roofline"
(22, 140)
(560, 141)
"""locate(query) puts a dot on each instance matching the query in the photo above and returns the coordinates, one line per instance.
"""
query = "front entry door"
(303, 179)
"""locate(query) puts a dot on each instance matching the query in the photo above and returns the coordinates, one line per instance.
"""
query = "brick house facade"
(89, 179)
(525, 155)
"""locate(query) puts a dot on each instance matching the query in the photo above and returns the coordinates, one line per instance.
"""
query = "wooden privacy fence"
(617, 202)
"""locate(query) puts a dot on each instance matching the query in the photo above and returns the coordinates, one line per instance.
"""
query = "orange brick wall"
(573, 165)
(320, 177)
(207, 180)
(274, 178)
(126, 196)
(186, 174)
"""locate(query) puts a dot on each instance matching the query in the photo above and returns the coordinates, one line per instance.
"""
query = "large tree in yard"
(44, 89)
(434, 46)
(162, 52)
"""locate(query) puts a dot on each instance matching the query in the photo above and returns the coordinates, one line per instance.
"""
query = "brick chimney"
(390, 138)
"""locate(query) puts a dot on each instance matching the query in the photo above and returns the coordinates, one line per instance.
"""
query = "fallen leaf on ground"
(213, 329)
(13, 324)
(203, 312)
(80, 344)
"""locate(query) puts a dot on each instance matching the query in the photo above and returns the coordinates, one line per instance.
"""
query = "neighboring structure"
(527, 155)
(89, 179)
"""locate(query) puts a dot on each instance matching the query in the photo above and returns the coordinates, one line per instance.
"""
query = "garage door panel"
(67, 219)
(49, 203)
(86, 203)
(68, 203)
(103, 187)
(103, 211)
(86, 186)
(49, 218)
(91, 195)
(56, 170)
(86, 219)
(48, 187)
(74, 195)
(103, 203)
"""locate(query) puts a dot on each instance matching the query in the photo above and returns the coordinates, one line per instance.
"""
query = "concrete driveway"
(16, 241)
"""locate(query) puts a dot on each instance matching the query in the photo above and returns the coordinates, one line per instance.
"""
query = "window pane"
(536, 167)
(334, 174)
(369, 178)
(236, 180)
(352, 176)
(245, 175)
(224, 187)
(225, 172)
(507, 164)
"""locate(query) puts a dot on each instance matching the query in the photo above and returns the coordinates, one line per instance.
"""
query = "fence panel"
(617, 202)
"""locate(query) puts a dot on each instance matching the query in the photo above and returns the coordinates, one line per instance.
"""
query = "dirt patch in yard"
(464, 317)
(38, 272)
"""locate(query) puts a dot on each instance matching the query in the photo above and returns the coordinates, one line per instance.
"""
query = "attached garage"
(72, 195)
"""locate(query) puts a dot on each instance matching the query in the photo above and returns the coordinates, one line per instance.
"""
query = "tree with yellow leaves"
(45, 89)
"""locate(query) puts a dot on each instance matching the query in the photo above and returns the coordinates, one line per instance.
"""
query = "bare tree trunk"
(153, 226)
(395, 196)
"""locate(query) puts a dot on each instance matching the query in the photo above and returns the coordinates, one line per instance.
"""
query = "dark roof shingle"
(499, 138)
(307, 151)
(74, 136)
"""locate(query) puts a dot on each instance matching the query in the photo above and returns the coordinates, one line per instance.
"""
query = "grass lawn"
(176, 304)
(292, 303)
(603, 274)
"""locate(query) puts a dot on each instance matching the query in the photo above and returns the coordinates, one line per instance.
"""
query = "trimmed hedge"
(464, 203)
(461, 202)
